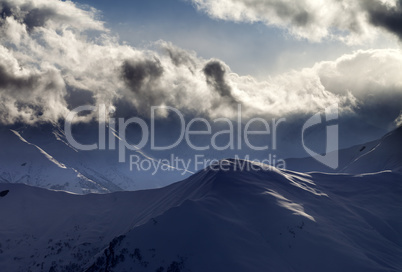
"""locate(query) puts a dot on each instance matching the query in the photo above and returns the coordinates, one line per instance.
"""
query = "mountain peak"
(235, 164)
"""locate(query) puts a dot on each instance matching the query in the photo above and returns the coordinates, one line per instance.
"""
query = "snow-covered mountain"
(374, 156)
(243, 217)
(385, 155)
(41, 156)
(24, 162)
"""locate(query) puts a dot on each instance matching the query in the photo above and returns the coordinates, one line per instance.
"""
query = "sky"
(204, 57)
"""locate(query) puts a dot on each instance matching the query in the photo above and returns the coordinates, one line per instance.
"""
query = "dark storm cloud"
(381, 15)
(215, 74)
(38, 17)
(78, 97)
(297, 14)
(28, 14)
(142, 79)
(139, 74)
(16, 83)
(5, 10)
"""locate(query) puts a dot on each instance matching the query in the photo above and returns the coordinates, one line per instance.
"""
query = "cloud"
(40, 12)
(388, 17)
(27, 94)
(10, 81)
(138, 75)
(371, 77)
(5, 10)
(352, 21)
(55, 63)
(141, 77)
(215, 73)
(179, 56)
(76, 97)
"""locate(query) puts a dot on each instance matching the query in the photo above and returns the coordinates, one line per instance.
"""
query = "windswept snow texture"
(246, 218)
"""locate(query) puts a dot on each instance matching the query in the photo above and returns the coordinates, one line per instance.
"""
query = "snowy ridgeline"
(250, 220)
(45, 159)
(42, 157)
(375, 156)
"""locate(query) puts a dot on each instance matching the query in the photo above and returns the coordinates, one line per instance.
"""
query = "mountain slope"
(41, 156)
(42, 229)
(23, 162)
(375, 156)
(246, 218)
(386, 155)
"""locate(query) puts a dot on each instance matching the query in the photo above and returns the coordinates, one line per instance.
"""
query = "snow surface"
(374, 156)
(386, 155)
(24, 162)
(262, 219)
(42, 157)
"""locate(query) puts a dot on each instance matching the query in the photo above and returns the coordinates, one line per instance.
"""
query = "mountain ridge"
(250, 220)
(352, 159)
